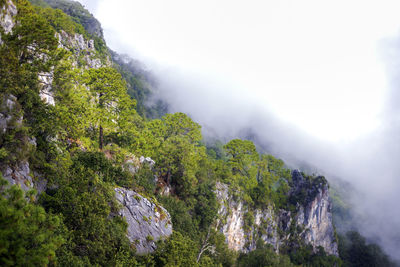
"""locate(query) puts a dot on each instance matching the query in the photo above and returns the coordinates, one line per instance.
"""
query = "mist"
(313, 83)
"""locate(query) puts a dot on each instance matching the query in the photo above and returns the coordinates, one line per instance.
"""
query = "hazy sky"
(312, 63)
(317, 80)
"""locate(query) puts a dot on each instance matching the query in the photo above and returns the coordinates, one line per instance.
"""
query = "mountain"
(92, 174)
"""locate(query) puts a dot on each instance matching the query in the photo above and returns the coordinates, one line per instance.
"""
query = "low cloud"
(309, 87)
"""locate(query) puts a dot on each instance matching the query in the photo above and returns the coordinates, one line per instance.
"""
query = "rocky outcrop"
(232, 223)
(7, 14)
(19, 172)
(316, 220)
(147, 221)
(80, 48)
(46, 93)
(312, 219)
(9, 117)
(20, 175)
(132, 164)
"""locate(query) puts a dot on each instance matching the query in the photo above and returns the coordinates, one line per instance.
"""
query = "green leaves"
(177, 251)
(112, 109)
(28, 235)
(85, 198)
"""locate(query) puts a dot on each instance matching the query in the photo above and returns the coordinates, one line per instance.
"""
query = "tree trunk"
(101, 138)
(101, 128)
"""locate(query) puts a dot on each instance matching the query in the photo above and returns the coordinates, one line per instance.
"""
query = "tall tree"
(109, 98)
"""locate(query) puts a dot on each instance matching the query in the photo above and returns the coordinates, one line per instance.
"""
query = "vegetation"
(355, 251)
(140, 86)
(82, 146)
(28, 235)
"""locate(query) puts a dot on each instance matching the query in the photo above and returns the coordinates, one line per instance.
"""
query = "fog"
(313, 82)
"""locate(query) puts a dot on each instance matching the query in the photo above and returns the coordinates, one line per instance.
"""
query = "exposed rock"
(232, 215)
(46, 93)
(93, 63)
(162, 187)
(147, 160)
(8, 117)
(316, 218)
(32, 141)
(133, 164)
(80, 47)
(313, 218)
(147, 221)
(7, 14)
(20, 175)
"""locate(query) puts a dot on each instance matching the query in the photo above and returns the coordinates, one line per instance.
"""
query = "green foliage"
(86, 202)
(273, 184)
(173, 142)
(60, 21)
(144, 180)
(248, 221)
(181, 217)
(103, 168)
(113, 110)
(140, 85)
(263, 256)
(206, 208)
(39, 3)
(28, 235)
(82, 17)
(29, 50)
(94, 110)
(176, 251)
(26, 52)
(354, 251)
(305, 255)
(242, 156)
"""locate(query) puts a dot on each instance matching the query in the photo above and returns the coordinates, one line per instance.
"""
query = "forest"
(79, 147)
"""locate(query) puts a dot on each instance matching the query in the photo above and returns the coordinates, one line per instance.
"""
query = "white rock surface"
(314, 218)
(7, 14)
(147, 222)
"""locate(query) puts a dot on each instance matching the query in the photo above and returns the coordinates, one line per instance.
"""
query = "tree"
(85, 198)
(28, 235)
(110, 99)
(177, 251)
(242, 156)
(242, 159)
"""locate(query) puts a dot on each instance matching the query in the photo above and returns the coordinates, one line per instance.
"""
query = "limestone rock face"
(20, 175)
(79, 46)
(133, 164)
(312, 216)
(46, 81)
(147, 221)
(316, 218)
(7, 117)
(7, 14)
(233, 212)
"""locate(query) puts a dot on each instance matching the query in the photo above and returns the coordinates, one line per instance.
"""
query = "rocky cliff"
(147, 221)
(311, 221)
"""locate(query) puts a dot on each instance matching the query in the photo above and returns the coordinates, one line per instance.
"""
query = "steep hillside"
(88, 179)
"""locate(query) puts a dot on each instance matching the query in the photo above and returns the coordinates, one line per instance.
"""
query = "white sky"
(315, 64)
